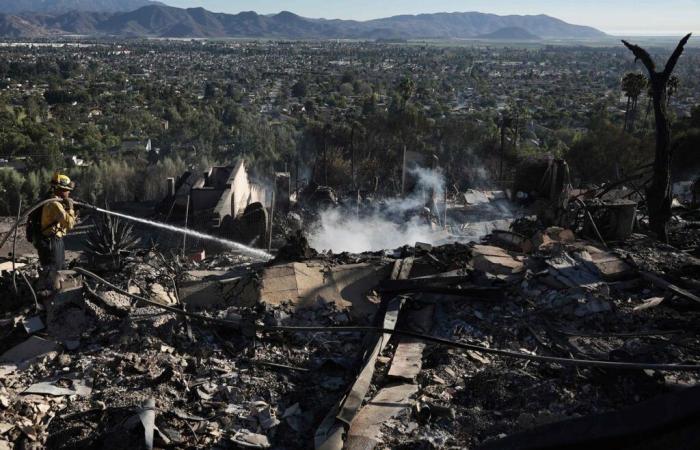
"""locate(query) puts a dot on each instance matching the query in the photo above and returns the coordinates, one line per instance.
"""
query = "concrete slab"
(609, 266)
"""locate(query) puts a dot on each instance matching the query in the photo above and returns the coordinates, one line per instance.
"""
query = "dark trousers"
(52, 253)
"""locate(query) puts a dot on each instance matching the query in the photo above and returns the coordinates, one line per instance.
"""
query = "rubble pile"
(475, 344)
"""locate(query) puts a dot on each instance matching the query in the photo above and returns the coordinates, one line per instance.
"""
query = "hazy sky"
(612, 16)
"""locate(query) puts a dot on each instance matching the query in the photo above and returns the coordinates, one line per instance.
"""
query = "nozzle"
(83, 204)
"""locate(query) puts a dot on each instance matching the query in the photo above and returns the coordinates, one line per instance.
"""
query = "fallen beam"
(663, 284)
(365, 431)
(408, 356)
(329, 435)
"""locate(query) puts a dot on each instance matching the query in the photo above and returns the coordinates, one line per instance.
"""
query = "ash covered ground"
(95, 367)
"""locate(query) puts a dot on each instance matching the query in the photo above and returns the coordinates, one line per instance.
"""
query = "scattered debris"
(456, 345)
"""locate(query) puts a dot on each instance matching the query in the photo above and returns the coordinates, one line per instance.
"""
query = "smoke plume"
(389, 224)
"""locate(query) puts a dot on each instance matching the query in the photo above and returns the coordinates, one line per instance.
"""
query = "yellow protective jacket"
(55, 220)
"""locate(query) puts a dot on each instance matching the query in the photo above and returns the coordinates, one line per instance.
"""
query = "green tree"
(633, 85)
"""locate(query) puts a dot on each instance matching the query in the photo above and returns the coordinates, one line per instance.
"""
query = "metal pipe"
(184, 235)
(238, 325)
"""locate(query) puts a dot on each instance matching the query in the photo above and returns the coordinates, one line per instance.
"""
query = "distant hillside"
(165, 21)
(62, 6)
(510, 34)
(474, 24)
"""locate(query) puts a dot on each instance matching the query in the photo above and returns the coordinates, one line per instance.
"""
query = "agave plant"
(110, 236)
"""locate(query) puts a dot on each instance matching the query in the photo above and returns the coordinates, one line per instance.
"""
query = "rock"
(161, 295)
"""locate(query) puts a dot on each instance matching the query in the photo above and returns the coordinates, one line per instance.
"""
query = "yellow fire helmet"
(61, 181)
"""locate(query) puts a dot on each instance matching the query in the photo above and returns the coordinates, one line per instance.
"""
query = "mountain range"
(157, 20)
(64, 6)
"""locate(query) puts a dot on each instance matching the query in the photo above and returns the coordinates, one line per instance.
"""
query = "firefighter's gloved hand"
(68, 202)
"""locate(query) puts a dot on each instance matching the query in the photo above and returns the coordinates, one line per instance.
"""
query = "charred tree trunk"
(646, 115)
(633, 115)
(659, 192)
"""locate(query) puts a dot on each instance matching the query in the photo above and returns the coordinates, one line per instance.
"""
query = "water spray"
(243, 249)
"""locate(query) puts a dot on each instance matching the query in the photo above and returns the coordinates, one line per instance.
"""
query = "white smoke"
(393, 223)
(342, 233)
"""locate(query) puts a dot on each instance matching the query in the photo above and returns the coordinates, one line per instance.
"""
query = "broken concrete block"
(305, 284)
(607, 264)
(208, 288)
(495, 260)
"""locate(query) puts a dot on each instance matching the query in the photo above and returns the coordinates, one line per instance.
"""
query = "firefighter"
(56, 220)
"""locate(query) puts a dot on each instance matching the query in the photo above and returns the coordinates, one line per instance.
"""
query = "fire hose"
(28, 212)
(240, 325)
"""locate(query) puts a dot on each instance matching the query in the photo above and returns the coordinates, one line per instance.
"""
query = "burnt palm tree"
(505, 121)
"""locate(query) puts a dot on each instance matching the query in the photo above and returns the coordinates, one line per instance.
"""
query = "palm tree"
(672, 87)
(406, 89)
(505, 121)
(626, 85)
(632, 85)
